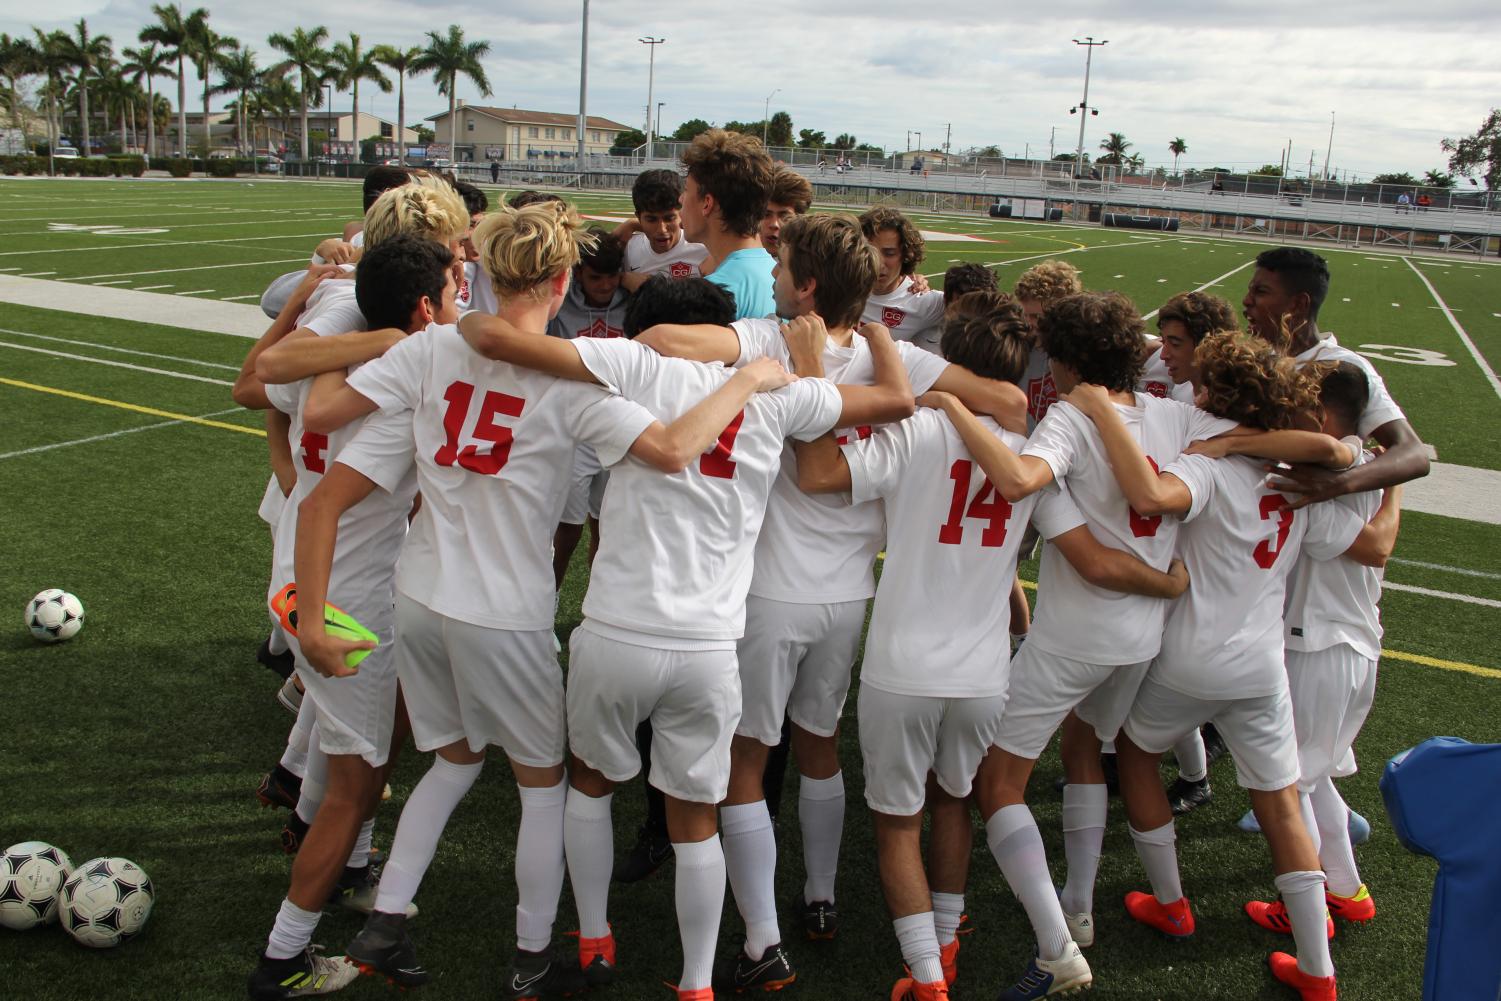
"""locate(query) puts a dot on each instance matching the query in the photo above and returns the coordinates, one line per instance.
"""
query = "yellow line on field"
(1446, 665)
(152, 411)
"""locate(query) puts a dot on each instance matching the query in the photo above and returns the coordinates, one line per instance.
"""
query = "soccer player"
(655, 243)
(1039, 287)
(1182, 322)
(475, 291)
(894, 302)
(962, 279)
(791, 196)
(473, 593)
(661, 621)
(933, 685)
(1222, 649)
(724, 197)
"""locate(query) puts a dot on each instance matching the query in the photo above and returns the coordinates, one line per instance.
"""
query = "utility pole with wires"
(1084, 110)
(651, 75)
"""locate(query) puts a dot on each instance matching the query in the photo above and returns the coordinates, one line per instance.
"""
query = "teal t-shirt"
(747, 275)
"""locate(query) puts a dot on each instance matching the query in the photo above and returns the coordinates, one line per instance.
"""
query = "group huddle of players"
(749, 404)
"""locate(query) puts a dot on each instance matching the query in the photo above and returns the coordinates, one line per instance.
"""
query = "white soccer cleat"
(1080, 928)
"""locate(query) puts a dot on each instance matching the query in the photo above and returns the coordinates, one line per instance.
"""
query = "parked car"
(66, 152)
(267, 163)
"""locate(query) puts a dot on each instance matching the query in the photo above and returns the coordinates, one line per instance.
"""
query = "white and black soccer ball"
(31, 875)
(105, 902)
(54, 615)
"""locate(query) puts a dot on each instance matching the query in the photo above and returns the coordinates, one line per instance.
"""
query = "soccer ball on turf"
(31, 874)
(105, 902)
(54, 615)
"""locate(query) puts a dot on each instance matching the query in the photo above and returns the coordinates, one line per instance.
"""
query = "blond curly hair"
(1049, 281)
(435, 212)
(520, 249)
(1247, 380)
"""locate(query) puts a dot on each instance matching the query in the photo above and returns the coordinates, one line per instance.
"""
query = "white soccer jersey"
(821, 548)
(1124, 628)
(682, 261)
(676, 551)
(910, 316)
(494, 456)
(1037, 383)
(1155, 381)
(332, 308)
(951, 536)
(1336, 601)
(1381, 408)
(476, 292)
(1223, 638)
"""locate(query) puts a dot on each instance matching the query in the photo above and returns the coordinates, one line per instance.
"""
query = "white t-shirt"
(1336, 601)
(1124, 628)
(675, 554)
(1223, 637)
(941, 620)
(1155, 381)
(681, 261)
(332, 308)
(476, 292)
(1037, 383)
(821, 548)
(493, 445)
(910, 316)
(1381, 408)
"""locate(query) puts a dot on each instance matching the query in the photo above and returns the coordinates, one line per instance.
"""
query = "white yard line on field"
(123, 351)
(1465, 571)
(116, 364)
(1212, 282)
(113, 434)
(1468, 599)
(1485, 368)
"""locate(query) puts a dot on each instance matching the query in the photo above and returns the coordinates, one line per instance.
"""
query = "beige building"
(485, 133)
(332, 132)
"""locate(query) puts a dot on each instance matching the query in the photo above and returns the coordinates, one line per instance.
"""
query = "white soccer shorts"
(1258, 731)
(904, 737)
(1332, 692)
(691, 696)
(357, 714)
(795, 661)
(480, 685)
(586, 491)
(1045, 687)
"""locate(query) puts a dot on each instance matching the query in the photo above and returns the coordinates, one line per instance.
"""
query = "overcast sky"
(1236, 80)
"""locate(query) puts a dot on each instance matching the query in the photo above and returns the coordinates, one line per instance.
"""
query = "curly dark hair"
(908, 238)
(737, 171)
(1300, 270)
(994, 343)
(1246, 380)
(1199, 312)
(658, 190)
(964, 278)
(678, 300)
(1098, 335)
(607, 256)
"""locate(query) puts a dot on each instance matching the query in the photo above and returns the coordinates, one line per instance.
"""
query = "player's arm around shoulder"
(1003, 401)
(1015, 476)
(672, 448)
(1146, 491)
(695, 342)
(1374, 545)
(498, 340)
(1280, 446)
(890, 398)
(1117, 570)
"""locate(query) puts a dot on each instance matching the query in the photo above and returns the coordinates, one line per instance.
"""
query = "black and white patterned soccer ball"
(105, 902)
(54, 615)
(31, 874)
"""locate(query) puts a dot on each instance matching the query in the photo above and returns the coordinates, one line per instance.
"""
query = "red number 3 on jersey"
(459, 395)
(1267, 550)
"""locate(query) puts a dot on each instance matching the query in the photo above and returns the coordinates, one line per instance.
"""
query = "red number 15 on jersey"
(459, 395)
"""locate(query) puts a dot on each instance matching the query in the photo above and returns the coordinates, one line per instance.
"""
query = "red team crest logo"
(1041, 394)
(679, 269)
(892, 317)
(599, 328)
(1158, 389)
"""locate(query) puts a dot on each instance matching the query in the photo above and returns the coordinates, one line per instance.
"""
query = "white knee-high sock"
(1310, 822)
(1303, 895)
(422, 821)
(1193, 761)
(750, 858)
(590, 845)
(700, 898)
(294, 758)
(292, 932)
(820, 813)
(1017, 846)
(1336, 854)
(313, 780)
(1084, 809)
(919, 945)
(1159, 856)
(539, 864)
(948, 911)
(359, 855)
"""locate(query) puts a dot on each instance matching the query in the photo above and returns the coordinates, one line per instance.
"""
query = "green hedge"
(223, 168)
(179, 166)
(114, 166)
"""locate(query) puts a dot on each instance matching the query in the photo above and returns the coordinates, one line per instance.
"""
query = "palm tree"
(53, 64)
(403, 62)
(147, 63)
(117, 93)
(350, 65)
(1134, 162)
(174, 32)
(18, 59)
(276, 97)
(207, 48)
(240, 76)
(88, 55)
(1177, 147)
(1115, 146)
(447, 57)
(305, 53)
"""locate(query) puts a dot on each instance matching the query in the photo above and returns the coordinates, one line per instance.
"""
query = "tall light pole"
(1330, 148)
(659, 116)
(651, 74)
(766, 115)
(583, 84)
(1083, 109)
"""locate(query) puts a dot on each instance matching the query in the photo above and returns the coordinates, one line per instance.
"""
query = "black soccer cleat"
(820, 920)
(303, 975)
(279, 788)
(281, 664)
(383, 949)
(651, 850)
(1214, 744)
(771, 972)
(1185, 796)
(543, 975)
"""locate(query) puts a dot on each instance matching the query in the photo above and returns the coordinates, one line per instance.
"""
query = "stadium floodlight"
(651, 73)
(1089, 46)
